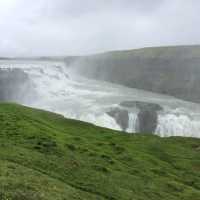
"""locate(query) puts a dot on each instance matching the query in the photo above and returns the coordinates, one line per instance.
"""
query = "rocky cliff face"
(168, 70)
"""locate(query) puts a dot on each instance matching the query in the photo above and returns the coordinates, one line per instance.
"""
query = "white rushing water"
(132, 123)
(62, 91)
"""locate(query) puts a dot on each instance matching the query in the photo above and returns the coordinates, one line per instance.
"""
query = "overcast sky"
(71, 27)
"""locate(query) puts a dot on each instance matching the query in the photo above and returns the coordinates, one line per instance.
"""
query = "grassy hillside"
(167, 70)
(46, 157)
(192, 51)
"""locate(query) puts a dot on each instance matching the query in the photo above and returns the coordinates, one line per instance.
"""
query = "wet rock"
(147, 121)
(141, 105)
(120, 116)
(147, 116)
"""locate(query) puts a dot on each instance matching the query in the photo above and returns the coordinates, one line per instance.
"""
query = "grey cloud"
(65, 27)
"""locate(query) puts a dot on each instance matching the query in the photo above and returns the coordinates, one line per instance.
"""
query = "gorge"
(126, 91)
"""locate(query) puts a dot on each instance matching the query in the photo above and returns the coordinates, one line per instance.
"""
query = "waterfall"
(59, 90)
(178, 125)
(132, 123)
(171, 124)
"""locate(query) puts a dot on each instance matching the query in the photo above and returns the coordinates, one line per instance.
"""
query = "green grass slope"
(44, 156)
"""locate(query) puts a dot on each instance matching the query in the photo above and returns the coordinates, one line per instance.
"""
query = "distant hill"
(168, 70)
(44, 156)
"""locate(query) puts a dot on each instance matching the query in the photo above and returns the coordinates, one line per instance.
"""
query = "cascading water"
(132, 123)
(60, 90)
(178, 125)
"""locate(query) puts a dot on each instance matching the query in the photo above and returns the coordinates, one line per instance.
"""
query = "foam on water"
(178, 125)
(62, 91)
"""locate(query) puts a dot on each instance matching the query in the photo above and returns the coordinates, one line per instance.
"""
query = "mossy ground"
(44, 156)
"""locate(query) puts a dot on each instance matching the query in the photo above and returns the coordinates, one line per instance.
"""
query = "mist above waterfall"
(16, 86)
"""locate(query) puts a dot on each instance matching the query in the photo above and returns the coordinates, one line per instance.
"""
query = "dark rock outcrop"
(147, 117)
(147, 121)
(120, 116)
(141, 105)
